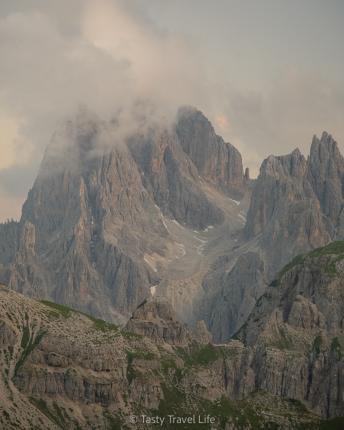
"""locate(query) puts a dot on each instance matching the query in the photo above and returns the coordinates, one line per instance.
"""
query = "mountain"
(168, 212)
(283, 370)
(297, 203)
(296, 206)
(107, 221)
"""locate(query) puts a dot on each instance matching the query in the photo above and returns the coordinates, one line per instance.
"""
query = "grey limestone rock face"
(81, 239)
(285, 210)
(296, 205)
(173, 180)
(232, 295)
(216, 160)
(296, 330)
(326, 175)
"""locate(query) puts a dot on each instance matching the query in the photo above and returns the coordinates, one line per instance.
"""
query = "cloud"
(108, 55)
(284, 115)
(8, 136)
(115, 59)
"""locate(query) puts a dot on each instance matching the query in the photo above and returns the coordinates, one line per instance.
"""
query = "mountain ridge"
(172, 212)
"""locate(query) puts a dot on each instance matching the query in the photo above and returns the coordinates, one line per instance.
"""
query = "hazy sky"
(268, 73)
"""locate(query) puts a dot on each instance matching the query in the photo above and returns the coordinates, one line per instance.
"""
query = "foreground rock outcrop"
(157, 320)
(296, 329)
(284, 370)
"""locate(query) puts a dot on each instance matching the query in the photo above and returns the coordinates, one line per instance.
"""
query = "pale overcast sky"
(268, 73)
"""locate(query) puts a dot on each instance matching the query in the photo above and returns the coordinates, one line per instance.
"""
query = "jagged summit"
(293, 164)
(216, 160)
(325, 139)
(291, 181)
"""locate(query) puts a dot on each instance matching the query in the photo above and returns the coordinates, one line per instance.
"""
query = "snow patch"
(208, 228)
(177, 223)
(235, 201)
(153, 290)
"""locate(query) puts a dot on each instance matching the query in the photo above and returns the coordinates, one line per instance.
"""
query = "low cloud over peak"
(113, 55)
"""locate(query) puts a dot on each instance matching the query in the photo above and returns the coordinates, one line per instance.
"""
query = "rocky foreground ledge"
(64, 369)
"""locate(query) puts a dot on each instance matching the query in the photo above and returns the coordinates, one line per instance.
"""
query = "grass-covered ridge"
(65, 311)
(58, 309)
(334, 248)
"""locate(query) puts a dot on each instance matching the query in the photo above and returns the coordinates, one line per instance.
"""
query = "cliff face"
(296, 329)
(173, 180)
(296, 203)
(285, 210)
(81, 232)
(216, 160)
(232, 294)
(326, 175)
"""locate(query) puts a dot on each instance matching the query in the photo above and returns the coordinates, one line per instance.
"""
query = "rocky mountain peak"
(326, 175)
(285, 210)
(284, 166)
(217, 161)
(325, 153)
